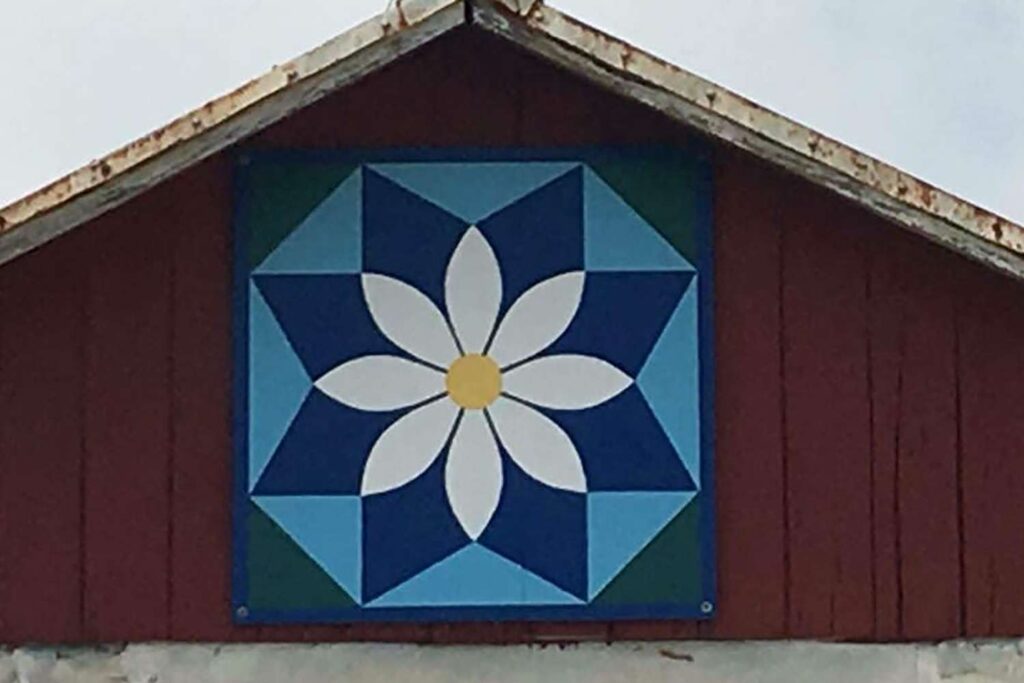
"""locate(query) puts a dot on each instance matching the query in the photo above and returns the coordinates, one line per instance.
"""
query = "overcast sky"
(933, 86)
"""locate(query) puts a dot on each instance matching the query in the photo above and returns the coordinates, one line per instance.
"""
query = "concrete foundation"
(691, 662)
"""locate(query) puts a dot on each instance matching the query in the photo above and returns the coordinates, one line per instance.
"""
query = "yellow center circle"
(473, 381)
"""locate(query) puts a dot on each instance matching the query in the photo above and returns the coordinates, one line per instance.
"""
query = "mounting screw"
(242, 612)
(707, 607)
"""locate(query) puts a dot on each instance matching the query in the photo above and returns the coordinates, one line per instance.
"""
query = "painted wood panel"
(868, 413)
(41, 382)
(200, 408)
(826, 418)
(915, 452)
(126, 413)
(884, 344)
(750, 442)
(990, 326)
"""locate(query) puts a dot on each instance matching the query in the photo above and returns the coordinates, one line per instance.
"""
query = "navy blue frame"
(693, 151)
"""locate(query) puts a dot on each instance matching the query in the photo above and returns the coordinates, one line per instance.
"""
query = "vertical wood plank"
(127, 423)
(200, 598)
(749, 458)
(915, 428)
(886, 342)
(827, 422)
(928, 444)
(990, 329)
(41, 445)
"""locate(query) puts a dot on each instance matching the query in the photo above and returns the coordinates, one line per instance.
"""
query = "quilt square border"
(694, 152)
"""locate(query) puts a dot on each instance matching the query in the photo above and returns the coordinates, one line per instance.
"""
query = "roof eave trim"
(189, 139)
(724, 115)
(550, 34)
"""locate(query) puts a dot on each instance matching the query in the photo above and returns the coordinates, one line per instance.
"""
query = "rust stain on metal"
(737, 120)
(715, 111)
(812, 144)
(403, 22)
(208, 116)
(519, 8)
(532, 7)
(633, 73)
(626, 58)
(394, 18)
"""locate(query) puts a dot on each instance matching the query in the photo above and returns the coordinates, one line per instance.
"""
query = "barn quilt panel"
(473, 386)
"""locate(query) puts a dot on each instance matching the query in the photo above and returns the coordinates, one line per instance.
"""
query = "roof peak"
(559, 38)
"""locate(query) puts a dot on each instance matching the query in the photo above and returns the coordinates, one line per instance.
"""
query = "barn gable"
(866, 406)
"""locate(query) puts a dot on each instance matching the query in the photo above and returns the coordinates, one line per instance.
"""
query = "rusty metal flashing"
(722, 114)
(557, 37)
(108, 182)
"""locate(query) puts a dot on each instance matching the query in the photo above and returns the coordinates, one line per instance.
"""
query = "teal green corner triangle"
(475, 575)
(280, 575)
(327, 528)
(329, 239)
(473, 191)
(278, 195)
(668, 570)
(670, 381)
(621, 524)
(618, 238)
(278, 384)
(663, 192)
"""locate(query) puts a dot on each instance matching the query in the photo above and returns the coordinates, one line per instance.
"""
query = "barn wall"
(868, 410)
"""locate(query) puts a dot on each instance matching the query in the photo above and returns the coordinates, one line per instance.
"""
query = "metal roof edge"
(720, 113)
(114, 179)
(603, 59)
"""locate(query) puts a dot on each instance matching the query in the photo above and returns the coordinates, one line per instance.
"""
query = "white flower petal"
(539, 446)
(381, 383)
(472, 475)
(409, 319)
(472, 290)
(566, 382)
(537, 318)
(407, 448)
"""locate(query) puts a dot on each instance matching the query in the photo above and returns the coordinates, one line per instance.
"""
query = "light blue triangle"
(617, 237)
(620, 525)
(329, 240)
(670, 381)
(328, 528)
(278, 384)
(474, 191)
(475, 576)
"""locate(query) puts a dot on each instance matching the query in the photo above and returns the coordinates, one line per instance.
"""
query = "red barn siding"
(200, 407)
(42, 325)
(990, 365)
(868, 409)
(828, 455)
(753, 564)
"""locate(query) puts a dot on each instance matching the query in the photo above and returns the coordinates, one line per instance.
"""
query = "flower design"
(473, 382)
